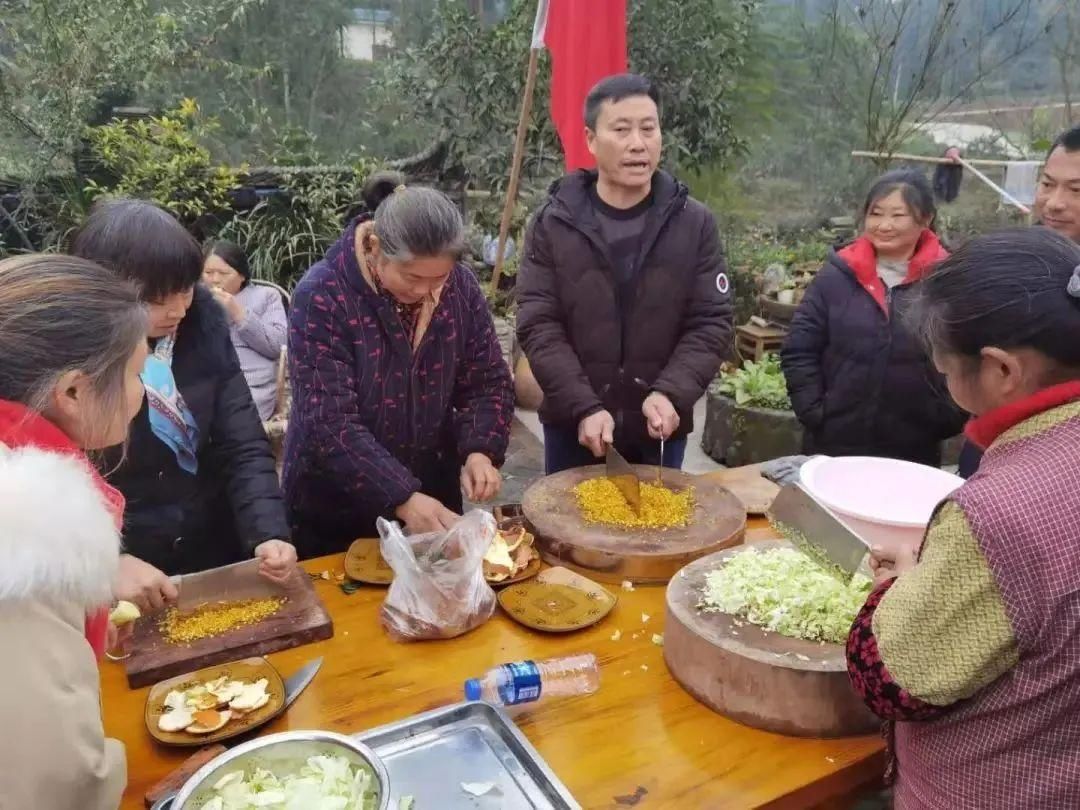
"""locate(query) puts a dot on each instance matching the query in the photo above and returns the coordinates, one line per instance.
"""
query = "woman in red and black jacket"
(860, 382)
(401, 396)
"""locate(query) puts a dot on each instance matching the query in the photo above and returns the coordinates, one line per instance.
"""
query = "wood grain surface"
(613, 554)
(641, 730)
(763, 679)
(301, 620)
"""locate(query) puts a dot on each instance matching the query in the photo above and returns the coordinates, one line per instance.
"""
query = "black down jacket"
(860, 383)
(180, 522)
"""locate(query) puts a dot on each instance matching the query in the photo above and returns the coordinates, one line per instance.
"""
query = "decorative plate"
(248, 670)
(364, 563)
(558, 601)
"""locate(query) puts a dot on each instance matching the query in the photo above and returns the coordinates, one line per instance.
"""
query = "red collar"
(22, 427)
(984, 430)
(861, 257)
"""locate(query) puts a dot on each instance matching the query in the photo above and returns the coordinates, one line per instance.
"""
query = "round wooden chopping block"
(765, 680)
(613, 554)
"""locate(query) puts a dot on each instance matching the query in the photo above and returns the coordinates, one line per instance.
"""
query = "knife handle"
(175, 780)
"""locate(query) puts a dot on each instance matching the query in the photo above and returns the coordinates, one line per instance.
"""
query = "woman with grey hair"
(401, 396)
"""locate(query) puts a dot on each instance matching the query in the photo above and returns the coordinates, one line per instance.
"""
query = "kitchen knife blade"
(623, 476)
(298, 681)
(816, 531)
(228, 583)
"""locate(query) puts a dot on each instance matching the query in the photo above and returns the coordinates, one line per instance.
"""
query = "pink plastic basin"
(887, 502)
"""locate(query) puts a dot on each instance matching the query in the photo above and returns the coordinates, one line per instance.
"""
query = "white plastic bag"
(439, 590)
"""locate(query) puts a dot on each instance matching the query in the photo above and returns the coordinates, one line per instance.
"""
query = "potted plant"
(786, 294)
(748, 416)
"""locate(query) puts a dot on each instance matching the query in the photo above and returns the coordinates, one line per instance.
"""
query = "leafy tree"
(465, 82)
(63, 62)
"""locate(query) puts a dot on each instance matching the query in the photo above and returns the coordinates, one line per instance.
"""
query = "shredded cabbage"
(784, 591)
(323, 782)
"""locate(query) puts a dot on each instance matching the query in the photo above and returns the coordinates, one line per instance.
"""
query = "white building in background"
(369, 31)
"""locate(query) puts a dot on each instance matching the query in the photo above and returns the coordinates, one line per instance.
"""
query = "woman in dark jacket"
(860, 382)
(197, 471)
(401, 396)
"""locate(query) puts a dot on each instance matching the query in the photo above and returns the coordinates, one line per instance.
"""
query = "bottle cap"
(472, 689)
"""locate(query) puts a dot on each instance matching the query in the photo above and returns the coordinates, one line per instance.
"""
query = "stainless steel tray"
(430, 755)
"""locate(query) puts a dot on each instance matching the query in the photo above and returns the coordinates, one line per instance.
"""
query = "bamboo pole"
(925, 159)
(515, 166)
(967, 164)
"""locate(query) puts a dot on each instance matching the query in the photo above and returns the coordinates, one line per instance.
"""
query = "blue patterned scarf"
(170, 418)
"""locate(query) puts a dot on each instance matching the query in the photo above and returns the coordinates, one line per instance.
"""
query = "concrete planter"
(736, 435)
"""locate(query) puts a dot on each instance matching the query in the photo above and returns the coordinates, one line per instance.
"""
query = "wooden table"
(640, 730)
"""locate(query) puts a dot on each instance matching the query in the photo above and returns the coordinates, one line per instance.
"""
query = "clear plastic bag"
(439, 590)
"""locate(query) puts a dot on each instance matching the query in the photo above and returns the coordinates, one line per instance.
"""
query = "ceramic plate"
(364, 563)
(248, 670)
(557, 601)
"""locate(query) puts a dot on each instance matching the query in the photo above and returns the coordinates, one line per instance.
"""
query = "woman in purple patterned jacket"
(401, 396)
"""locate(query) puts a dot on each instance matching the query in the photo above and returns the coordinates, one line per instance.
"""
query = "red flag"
(587, 41)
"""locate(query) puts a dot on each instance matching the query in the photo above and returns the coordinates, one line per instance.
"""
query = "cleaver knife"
(228, 583)
(623, 476)
(816, 531)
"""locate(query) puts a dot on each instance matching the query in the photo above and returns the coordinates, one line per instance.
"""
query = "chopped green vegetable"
(323, 782)
(406, 803)
(782, 590)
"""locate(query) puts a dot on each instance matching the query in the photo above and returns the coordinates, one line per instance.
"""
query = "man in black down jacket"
(624, 299)
(230, 508)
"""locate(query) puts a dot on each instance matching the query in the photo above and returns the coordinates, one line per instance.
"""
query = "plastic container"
(885, 501)
(529, 681)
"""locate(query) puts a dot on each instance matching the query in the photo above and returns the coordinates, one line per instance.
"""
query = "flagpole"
(519, 145)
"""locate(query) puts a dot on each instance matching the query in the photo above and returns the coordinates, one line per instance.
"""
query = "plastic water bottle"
(529, 681)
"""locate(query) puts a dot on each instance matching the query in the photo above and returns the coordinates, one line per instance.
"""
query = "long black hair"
(1010, 289)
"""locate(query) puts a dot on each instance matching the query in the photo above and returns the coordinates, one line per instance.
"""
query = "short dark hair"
(1007, 289)
(615, 89)
(141, 242)
(1069, 140)
(913, 187)
(233, 255)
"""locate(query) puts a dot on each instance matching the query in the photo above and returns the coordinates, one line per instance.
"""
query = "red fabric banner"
(587, 41)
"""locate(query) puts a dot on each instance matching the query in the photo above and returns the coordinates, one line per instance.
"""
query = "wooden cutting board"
(749, 486)
(762, 679)
(301, 620)
(612, 554)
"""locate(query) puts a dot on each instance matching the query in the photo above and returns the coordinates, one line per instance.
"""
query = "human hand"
(952, 154)
(479, 478)
(660, 415)
(422, 513)
(232, 307)
(597, 432)
(117, 636)
(139, 582)
(277, 560)
(886, 563)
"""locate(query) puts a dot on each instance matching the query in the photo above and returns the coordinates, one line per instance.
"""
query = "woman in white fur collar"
(72, 344)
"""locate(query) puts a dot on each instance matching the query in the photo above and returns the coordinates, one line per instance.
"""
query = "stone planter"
(735, 435)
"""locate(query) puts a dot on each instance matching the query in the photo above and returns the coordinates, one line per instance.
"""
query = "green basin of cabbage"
(784, 591)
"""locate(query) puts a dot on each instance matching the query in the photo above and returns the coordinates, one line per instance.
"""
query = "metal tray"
(429, 755)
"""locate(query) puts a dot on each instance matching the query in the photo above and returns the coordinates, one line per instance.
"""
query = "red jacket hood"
(861, 259)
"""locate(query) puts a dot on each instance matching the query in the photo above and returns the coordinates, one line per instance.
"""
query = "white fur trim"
(58, 539)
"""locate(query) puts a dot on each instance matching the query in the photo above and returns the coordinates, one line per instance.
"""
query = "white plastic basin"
(886, 501)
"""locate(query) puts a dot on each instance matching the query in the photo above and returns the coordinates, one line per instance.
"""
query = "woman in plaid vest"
(971, 648)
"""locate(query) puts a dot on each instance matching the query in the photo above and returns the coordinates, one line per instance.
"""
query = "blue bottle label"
(521, 683)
